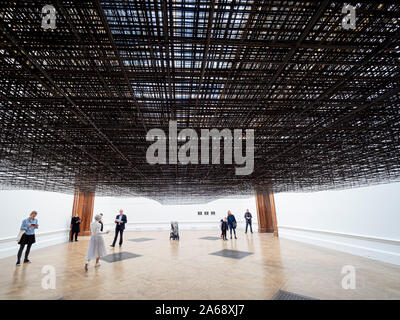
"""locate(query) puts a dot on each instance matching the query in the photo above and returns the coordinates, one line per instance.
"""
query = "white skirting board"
(382, 249)
(9, 246)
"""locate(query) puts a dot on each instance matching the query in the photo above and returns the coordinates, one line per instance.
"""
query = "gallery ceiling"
(77, 101)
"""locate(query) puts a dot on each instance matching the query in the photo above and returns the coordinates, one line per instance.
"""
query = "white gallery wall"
(54, 217)
(363, 221)
(146, 214)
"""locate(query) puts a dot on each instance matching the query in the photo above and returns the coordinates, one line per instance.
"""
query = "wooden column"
(83, 205)
(266, 213)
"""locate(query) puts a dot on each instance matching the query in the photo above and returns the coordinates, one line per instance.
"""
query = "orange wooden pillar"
(266, 213)
(83, 205)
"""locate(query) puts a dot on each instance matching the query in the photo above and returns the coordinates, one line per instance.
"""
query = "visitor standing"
(248, 218)
(27, 237)
(75, 227)
(120, 221)
(97, 248)
(232, 223)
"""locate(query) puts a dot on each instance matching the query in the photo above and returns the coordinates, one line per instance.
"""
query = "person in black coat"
(75, 227)
(120, 221)
(232, 223)
(224, 228)
(101, 223)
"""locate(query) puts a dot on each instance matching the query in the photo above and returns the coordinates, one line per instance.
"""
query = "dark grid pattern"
(119, 256)
(76, 102)
(210, 238)
(285, 295)
(234, 254)
(141, 239)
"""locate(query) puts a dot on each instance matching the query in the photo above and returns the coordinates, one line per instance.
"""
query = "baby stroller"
(174, 235)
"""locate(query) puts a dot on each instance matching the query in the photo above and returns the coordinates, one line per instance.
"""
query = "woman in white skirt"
(97, 247)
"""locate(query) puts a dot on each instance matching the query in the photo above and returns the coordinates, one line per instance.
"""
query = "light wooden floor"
(185, 270)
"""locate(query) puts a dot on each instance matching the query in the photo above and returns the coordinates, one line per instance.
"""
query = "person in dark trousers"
(28, 238)
(75, 227)
(224, 227)
(232, 223)
(248, 218)
(120, 221)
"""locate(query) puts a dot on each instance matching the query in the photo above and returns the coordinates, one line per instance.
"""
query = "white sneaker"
(97, 264)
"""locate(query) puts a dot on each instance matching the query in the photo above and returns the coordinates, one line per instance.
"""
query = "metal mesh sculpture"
(76, 101)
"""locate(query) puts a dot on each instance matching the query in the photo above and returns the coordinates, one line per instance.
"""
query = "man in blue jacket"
(232, 223)
(120, 221)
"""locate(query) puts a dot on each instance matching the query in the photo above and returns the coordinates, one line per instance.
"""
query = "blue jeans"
(230, 230)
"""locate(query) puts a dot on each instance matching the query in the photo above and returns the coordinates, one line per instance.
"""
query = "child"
(224, 227)
(220, 226)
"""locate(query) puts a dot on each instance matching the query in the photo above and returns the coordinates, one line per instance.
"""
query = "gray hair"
(97, 217)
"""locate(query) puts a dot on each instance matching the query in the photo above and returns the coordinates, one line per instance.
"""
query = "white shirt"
(120, 218)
